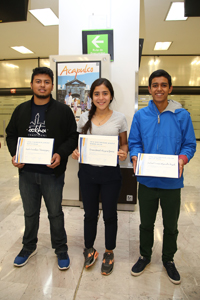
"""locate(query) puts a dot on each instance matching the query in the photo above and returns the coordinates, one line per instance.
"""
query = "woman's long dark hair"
(97, 82)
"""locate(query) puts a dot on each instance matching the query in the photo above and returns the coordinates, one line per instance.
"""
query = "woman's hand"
(75, 154)
(123, 151)
(122, 154)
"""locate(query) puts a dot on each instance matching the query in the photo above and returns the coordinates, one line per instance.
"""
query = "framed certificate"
(34, 151)
(98, 150)
(157, 165)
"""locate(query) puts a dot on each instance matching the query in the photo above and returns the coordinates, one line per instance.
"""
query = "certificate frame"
(34, 150)
(157, 165)
(98, 150)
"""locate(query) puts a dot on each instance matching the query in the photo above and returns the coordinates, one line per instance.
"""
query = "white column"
(123, 18)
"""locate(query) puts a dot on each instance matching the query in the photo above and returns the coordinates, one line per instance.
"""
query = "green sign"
(97, 43)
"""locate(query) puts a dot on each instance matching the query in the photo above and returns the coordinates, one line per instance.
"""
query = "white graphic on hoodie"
(36, 127)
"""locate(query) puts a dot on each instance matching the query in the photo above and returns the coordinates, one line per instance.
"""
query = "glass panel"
(184, 70)
(7, 106)
(190, 102)
(44, 62)
(16, 73)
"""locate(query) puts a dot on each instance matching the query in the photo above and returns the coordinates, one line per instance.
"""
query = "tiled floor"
(41, 279)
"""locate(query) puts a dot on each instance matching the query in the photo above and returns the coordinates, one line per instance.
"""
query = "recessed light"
(22, 49)
(176, 12)
(162, 45)
(46, 16)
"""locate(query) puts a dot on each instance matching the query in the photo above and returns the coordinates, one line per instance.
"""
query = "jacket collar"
(172, 106)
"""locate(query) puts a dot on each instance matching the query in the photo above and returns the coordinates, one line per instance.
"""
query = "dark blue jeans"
(32, 187)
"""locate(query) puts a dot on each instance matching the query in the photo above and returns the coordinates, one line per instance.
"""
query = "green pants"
(170, 204)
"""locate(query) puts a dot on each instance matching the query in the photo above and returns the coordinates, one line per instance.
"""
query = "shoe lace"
(107, 258)
(171, 267)
(141, 260)
(88, 252)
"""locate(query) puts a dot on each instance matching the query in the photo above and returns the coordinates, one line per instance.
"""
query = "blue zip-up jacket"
(169, 132)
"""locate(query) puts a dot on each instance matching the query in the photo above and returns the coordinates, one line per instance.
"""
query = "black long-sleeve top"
(60, 125)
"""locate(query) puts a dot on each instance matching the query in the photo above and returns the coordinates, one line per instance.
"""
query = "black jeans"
(170, 204)
(32, 187)
(104, 182)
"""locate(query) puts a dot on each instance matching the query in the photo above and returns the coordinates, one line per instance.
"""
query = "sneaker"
(22, 258)
(172, 272)
(63, 261)
(140, 265)
(107, 263)
(90, 257)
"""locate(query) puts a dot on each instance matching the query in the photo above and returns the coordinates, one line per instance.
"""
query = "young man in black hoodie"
(43, 117)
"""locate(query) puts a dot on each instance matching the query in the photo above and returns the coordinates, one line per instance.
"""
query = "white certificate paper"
(98, 150)
(157, 165)
(34, 151)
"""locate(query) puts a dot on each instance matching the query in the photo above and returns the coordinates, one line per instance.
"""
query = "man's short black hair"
(42, 70)
(159, 73)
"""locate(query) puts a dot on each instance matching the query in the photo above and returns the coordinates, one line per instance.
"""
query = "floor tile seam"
(80, 277)
(26, 285)
(182, 290)
(78, 284)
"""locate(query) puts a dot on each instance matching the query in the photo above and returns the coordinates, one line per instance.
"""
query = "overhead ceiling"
(43, 41)
(183, 34)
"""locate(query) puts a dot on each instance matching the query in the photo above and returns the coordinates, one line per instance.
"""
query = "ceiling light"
(162, 45)
(22, 49)
(176, 12)
(46, 16)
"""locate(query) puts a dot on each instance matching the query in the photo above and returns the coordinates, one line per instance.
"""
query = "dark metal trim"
(18, 92)
(156, 55)
(30, 58)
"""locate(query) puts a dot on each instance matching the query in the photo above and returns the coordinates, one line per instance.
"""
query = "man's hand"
(55, 161)
(17, 165)
(181, 166)
(134, 160)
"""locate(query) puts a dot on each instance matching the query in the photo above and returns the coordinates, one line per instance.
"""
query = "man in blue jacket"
(43, 117)
(163, 127)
